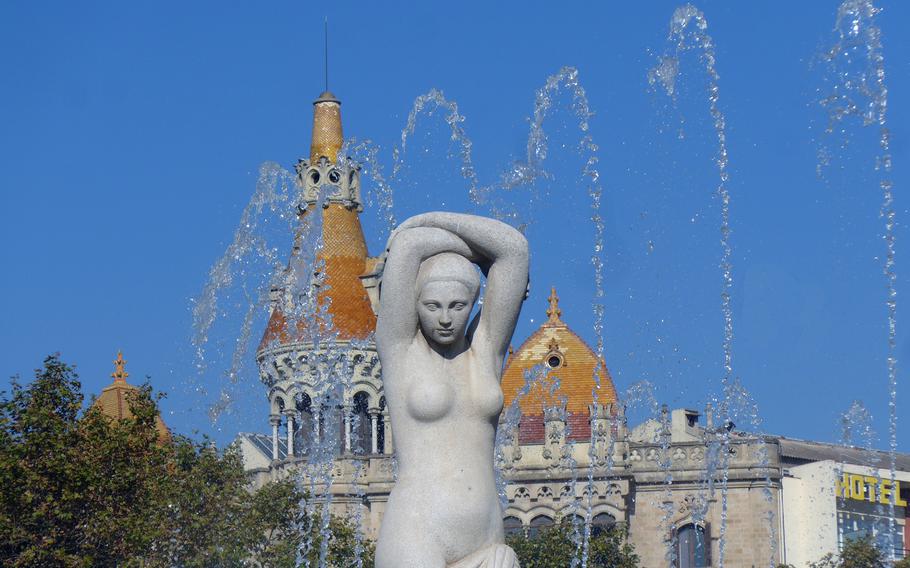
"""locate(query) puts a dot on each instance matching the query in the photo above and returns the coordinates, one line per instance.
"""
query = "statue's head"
(447, 287)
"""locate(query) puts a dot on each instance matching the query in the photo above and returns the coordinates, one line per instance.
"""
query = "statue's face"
(444, 308)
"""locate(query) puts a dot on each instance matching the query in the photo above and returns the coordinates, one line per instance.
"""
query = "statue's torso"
(444, 416)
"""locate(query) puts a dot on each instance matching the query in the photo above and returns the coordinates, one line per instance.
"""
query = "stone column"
(387, 432)
(290, 417)
(374, 430)
(275, 419)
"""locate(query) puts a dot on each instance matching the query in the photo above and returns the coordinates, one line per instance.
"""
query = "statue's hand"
(501, 556)
(493, 556)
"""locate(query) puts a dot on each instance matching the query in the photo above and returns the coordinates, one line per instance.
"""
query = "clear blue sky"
(130, 138)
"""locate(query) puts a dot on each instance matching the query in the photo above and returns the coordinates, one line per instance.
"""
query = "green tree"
(90, 491)
(554, 546)
(857, 553)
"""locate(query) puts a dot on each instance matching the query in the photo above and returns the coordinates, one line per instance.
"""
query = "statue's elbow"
(405, 242)
(518, 244)
(522, 249)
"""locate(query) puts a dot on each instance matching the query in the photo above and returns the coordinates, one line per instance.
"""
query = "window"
(380, 427)
(361, 428)
(512, 526)
(692, 543)
(303, 425)
(537, 523)
(601, 523)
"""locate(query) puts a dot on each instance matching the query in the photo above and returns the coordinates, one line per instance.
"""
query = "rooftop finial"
(553, 312)
(327, 135)
(119, 374)
(326, 36)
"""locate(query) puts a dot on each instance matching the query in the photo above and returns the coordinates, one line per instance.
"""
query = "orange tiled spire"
(344, 251)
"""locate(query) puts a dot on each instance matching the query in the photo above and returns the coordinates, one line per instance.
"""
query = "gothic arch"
(278, 400)
(297, 391)
(604, 508)
(538, 511)
(539, 522)
(366, 386)
(515, 512)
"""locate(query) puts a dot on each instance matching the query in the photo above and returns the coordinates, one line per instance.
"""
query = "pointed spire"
(553, 312)
(119, 374)
(327, 134)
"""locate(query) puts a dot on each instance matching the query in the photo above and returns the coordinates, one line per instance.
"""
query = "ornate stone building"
(681, 486)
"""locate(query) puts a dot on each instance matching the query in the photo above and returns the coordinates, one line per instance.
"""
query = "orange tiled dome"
(569, 365)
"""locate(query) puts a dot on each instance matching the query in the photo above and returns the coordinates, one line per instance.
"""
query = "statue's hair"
(449, 267)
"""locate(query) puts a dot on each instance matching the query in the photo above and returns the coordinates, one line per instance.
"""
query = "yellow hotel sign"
(870, 488)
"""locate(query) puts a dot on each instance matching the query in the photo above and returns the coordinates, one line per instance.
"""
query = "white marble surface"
(441, 375)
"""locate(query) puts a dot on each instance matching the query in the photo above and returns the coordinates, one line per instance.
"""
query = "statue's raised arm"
(502, 254)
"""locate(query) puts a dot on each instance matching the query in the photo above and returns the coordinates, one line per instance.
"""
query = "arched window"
(361, 430)
(512, 526)
(380, 427)
(576, 520)
(537, 523)
(692, 546)
(336, 418)
(303, 424)
(602, 523)
(331, 427)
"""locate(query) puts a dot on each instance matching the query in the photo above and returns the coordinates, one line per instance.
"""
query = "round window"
(314, 176)
(554, 361)
(334, 176)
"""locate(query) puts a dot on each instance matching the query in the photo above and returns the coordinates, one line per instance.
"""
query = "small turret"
(327, 173)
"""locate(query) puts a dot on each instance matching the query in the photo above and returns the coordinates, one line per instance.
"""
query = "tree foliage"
(857, 553)
(80, 489)
(553, 547)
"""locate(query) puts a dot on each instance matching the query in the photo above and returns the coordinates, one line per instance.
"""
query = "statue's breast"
(430, 398)
(488, 399)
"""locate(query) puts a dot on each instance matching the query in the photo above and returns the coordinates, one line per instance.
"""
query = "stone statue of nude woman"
(442, 386)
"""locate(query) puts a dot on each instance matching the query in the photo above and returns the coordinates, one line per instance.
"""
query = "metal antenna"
(326, 53)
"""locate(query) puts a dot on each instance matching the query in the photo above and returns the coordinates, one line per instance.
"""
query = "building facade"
(834, 493)
(691, 492)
